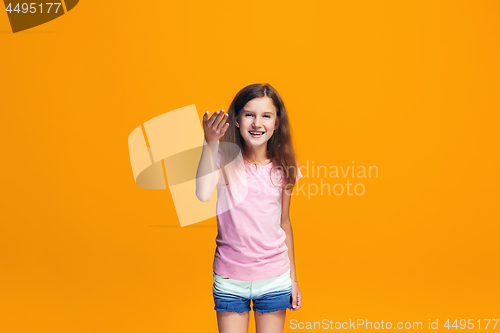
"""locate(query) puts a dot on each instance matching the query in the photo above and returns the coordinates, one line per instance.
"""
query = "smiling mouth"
(256, 134)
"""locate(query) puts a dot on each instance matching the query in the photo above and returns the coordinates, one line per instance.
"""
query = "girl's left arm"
(286, 225)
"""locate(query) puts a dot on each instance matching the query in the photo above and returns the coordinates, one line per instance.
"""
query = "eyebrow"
(245, 110)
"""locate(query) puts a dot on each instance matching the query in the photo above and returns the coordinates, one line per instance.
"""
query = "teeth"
(256, 133)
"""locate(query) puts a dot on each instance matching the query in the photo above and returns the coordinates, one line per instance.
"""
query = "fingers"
(211, 121)
(215, 118)
(294, 301)
(215, 128)
(218, 119)
(224, 128)
(223, 122)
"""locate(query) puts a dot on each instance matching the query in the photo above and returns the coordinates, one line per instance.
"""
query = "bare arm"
(206, 178)
(289, 244)
(286, 225)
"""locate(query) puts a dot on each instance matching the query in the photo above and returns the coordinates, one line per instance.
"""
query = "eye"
(248, 114)
(268, 116)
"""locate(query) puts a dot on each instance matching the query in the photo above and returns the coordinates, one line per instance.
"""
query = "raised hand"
(215, 128)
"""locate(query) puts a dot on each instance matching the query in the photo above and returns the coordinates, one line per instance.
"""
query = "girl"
(254, 258)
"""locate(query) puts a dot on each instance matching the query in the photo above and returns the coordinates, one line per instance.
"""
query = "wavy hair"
(279, 146)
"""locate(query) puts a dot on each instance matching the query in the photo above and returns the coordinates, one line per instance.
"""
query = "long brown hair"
(279, 146)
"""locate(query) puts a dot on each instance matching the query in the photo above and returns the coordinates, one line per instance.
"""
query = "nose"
(256, 123)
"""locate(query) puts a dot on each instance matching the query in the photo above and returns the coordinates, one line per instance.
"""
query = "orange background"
(411, 87)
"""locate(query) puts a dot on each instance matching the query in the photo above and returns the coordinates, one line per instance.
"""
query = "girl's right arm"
(206, 178)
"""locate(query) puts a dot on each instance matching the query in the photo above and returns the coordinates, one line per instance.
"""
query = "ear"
(277, 124)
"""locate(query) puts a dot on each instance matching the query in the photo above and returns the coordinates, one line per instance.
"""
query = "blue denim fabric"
(268, 295)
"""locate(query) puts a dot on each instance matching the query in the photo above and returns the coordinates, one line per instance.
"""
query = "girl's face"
(257, 121)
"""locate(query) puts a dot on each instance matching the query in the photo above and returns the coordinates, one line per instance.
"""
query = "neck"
(255, 154)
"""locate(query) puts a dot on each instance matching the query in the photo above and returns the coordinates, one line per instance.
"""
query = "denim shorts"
(268, 295)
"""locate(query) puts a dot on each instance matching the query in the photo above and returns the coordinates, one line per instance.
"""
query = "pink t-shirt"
(250, 241)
